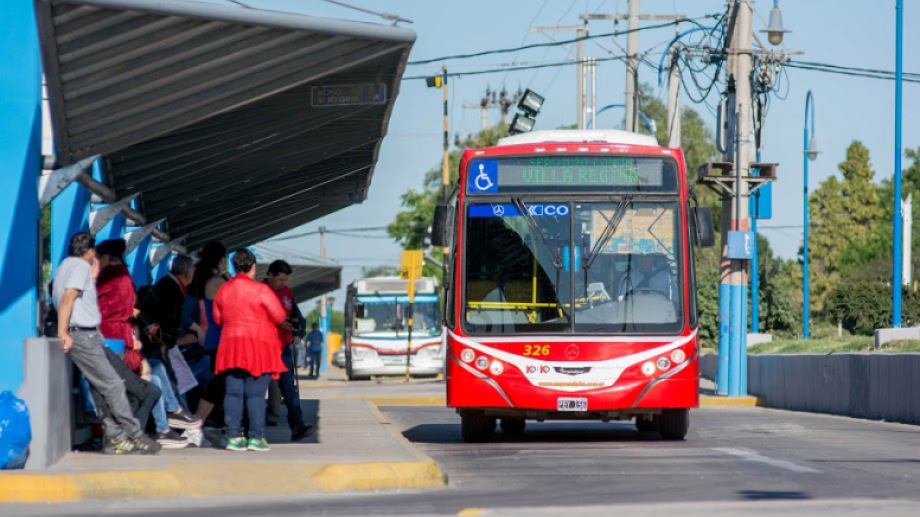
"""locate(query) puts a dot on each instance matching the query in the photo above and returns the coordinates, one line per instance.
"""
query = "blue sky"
(838, 32)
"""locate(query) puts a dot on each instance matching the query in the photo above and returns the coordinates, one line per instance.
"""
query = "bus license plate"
(571, 404)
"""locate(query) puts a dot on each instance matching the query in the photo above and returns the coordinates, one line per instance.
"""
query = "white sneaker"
(195, 437)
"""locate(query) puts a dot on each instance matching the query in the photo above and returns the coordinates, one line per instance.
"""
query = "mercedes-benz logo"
(498, 210)
(572, 351)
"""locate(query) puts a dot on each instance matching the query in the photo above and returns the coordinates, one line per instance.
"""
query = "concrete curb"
(720, 401)
(218, 479)
(221, 479)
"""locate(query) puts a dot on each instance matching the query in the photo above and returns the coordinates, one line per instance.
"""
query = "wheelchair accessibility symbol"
(485, 180)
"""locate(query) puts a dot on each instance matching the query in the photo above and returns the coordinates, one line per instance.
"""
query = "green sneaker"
(237, 444)
(260, 445)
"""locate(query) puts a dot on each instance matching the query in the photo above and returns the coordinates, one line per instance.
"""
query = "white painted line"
(753, 456)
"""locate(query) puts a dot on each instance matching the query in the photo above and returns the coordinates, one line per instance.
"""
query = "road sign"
(411, 270)
(348, 94)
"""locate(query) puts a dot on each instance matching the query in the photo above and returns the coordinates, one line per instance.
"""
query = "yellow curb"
(470, 512)
(719, 401)
(379, 476)
(32, 488)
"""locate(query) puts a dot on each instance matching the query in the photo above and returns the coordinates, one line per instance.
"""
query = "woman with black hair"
(249, 314)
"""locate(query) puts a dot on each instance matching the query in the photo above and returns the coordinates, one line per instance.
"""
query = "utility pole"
(580, 32)
(494, 100)
(674, 101)
(632, 66)
(632, 55)
(737, 373)
(445, 169)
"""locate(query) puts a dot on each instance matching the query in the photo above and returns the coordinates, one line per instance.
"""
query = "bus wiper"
(608, 232)
(535, 229)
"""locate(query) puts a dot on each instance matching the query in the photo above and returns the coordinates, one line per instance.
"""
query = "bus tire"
(513, 426)
(475, 426)
(647, 425)
(674, 424)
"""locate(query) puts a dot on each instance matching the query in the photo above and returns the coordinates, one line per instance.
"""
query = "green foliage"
(844, 216)
(336, 319)
(779, 313)
(863, 306)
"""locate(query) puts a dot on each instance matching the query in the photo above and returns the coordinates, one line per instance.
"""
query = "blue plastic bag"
(15, 431)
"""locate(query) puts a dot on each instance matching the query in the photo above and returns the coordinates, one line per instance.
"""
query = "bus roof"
(606, 136)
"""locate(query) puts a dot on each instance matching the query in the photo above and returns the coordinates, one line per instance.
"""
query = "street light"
(809, 153)
(775, 30)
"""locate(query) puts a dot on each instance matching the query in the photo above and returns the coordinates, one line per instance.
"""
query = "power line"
(386, 16)
(518, 68)
(551, 44)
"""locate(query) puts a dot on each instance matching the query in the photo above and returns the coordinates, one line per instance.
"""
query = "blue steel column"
(898, 244)
(162, 267)
(809, 103)
(21, 156)
(114, 229)
(69, 215)
(139, 263)
(324, 328)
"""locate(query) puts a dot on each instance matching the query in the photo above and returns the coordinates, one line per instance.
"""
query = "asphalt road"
(735, 460)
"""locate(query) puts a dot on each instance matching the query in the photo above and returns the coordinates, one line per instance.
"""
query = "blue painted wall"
(20, 156)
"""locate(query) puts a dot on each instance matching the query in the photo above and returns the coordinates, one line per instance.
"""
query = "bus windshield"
(605, 267)
(388, 315)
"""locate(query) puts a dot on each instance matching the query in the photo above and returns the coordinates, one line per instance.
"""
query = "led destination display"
(583, 173)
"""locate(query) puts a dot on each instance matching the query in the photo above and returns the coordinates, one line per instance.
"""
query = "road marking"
(753, 456)
(470, 511)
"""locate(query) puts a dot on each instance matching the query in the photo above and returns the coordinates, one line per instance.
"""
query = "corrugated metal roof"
(213, 113)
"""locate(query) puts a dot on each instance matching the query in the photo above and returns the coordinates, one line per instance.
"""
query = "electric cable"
(542, 45)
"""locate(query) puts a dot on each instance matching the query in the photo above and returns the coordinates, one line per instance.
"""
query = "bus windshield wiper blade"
(608, 232)
(535, 228)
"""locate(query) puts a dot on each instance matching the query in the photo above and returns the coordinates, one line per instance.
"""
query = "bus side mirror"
(440, 225)
(704, 233)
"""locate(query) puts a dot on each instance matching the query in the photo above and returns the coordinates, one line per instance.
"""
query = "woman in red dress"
(250, 350)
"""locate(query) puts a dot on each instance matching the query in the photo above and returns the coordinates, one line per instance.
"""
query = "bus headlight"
(467, 355)
(663, 363)
(430, 351)
(482, 362)
(497, 368)
(648, 368)
(678, 356)
(362, 352)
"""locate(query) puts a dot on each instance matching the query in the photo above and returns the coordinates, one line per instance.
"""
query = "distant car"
(338, 358)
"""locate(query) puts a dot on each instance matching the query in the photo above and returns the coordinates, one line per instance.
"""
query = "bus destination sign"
(540, 173)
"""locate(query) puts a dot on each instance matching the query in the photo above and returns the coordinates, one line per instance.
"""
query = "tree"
(410, 228)
(842, 213)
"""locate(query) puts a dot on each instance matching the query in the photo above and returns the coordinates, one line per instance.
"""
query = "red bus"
(570, 292)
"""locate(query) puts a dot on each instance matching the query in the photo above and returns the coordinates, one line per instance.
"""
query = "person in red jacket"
(249, 352)
(115, 292)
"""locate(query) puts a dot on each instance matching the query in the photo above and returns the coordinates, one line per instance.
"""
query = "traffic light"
(435, 81)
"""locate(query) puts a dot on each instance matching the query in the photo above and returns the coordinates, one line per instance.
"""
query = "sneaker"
(260, 445)
(170, 439)
(195, 437)
(146, 445)
(236, 444)
(119, 446)
(301, 432)
(183, 420)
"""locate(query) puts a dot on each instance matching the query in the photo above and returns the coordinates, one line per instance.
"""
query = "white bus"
(376, 328)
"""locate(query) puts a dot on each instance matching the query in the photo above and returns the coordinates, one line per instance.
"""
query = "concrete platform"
(355, 448)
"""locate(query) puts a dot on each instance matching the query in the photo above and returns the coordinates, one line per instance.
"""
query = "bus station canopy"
(232, 124)
(309, 277)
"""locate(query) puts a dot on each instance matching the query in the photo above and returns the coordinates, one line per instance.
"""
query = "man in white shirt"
(74, 295)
